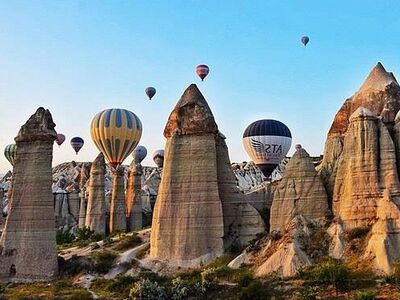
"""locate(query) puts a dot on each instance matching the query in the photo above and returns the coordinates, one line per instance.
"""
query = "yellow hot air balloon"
(116, 133)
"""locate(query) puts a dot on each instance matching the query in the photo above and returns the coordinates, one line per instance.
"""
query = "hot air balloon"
(150, 92)
(116, 132)
(202, 71)
(305, 40)
(60, 139)
(139, 153)
(158, 158)
(267, 142)
(77, 143)
(10, 152)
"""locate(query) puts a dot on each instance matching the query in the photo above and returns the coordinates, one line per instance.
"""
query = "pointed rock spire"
(377, 79)
(191, 115)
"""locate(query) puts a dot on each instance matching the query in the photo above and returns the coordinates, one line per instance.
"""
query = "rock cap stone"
(378, 79)
(191, 115)
(363, 113)
(40, 126)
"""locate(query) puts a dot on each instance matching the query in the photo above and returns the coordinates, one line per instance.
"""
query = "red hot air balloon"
(60, 139)
(202, 71)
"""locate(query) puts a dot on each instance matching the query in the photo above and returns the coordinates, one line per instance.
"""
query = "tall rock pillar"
(96, 206)
(28, 244)
(117, 207)
(188, 225)
(134, 196)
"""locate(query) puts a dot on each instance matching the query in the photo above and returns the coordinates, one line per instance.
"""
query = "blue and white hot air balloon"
(267, 142)
(139, 153)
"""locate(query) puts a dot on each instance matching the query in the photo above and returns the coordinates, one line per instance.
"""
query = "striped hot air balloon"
(202, 71)
(158, 158)
(10, 152)
(77, 143)
(116, 133)
(60, 139)
(267, 142)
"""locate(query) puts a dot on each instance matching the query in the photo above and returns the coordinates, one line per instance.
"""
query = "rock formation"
(28, 244)
(74, 202)
(96, 205)
(366, 166)
(380, 94)
(199, 212)
(82, 208)
(242, 222)
(134, 197)
(299, 192)
(117, 206)
(188, 226)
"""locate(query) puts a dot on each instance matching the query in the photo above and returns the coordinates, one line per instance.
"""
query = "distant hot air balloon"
(297, 147)
(305, 40)
(150, 92)
(116, 132)
(77, 143)
(158, 158)
(202, 71)
(60, 139)
(10, 153)
(139, 153)
(267, 142)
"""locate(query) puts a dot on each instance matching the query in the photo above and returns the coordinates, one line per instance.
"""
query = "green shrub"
(358, 232)
(244, 279)
(64, 237)
(121, 284)
(78, 295)
(179, 289)
(253, 291)
(330, 272)
(147, 290)
(128, 242)
(76, 265)
(103, 261)
(316, 244)
(364, 295)
(308, 293)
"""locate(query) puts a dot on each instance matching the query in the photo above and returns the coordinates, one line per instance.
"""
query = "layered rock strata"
(96, 205)
(117, 205)
(28, 244)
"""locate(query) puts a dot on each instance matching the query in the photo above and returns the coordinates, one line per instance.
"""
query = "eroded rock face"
(380, 94)
(300, 192)
(117, 205)
(28, 243)
(365, 168)
(283, 256)
(188, 226)
(242, 222)
(96, 205)
(134, 197)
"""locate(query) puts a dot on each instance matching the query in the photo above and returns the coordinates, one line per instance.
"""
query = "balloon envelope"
(116, 132)
(158, 158)
(60, 139)
(150, 92)
(305, 40)
(77, 143)
(139, 153)
(202, 71)
(10, 152)
(267, 142)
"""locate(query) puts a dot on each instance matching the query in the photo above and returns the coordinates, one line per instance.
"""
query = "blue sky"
(79, 57)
